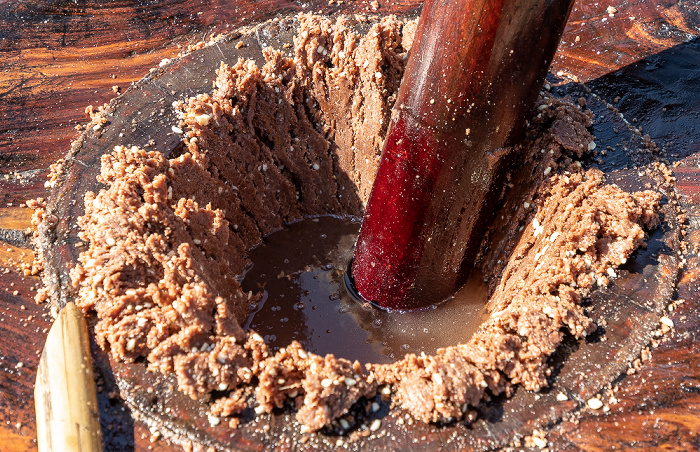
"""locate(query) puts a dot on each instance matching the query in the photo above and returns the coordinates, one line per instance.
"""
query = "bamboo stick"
(66, 402)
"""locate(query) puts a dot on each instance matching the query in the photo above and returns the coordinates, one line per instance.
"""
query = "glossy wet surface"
(300, 271)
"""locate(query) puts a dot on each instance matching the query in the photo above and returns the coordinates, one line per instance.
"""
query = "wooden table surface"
(58, 56)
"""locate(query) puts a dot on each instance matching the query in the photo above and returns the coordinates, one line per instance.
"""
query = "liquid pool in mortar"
(301, 272)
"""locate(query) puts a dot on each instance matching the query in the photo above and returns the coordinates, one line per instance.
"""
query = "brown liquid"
(300, 270)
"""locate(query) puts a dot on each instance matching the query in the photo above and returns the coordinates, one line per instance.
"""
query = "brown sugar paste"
(298, 138)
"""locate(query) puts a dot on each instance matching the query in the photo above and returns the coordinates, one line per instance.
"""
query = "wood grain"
(58, 56)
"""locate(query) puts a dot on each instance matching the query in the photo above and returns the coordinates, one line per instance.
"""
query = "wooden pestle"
(471, 81)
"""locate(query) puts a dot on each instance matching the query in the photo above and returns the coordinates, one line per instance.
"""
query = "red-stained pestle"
(471, 81)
